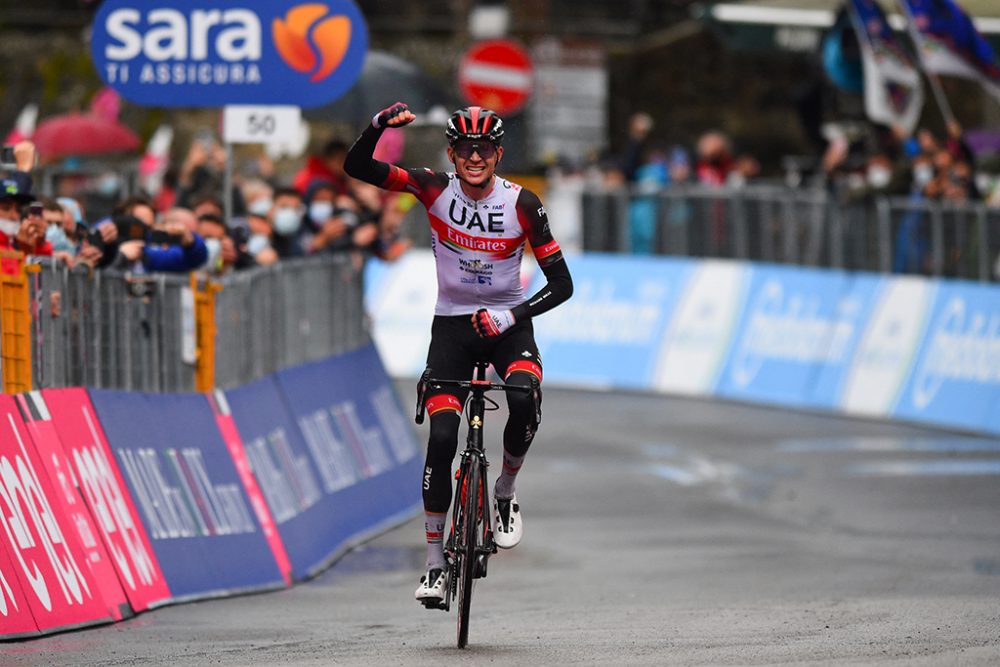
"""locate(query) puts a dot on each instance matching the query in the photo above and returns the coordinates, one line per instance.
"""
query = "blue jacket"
(175, 258)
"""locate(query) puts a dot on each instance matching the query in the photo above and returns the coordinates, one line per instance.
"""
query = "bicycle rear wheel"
(468, 547)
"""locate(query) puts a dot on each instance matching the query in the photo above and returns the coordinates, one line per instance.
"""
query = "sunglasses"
(465, 149)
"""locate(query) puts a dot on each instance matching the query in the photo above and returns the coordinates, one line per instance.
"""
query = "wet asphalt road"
(658, 531)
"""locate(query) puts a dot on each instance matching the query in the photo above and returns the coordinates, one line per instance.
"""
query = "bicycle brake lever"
(421, 390)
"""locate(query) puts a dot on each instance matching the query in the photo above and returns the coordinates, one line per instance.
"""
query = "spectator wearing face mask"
(64, 244)
(223, 253)
(287, 233)
(15, 193)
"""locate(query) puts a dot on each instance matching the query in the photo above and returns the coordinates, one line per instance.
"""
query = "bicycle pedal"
(435, 604)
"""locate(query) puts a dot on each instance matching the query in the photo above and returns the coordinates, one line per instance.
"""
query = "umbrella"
(384, 79)
(82, 134)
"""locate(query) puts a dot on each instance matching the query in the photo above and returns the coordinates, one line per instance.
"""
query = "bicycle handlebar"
(482, 385)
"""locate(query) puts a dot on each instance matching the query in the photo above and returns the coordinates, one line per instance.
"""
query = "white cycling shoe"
(508, 527)
(432, 589)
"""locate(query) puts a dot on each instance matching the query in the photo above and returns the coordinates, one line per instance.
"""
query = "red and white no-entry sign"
(496, 74)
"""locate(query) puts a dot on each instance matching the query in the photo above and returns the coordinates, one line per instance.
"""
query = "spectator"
(328, 165)
(715, 160)
(73, 213)
(639, 127)
(287, 233)
(56, 232)
(390, 245)
(15, 192)
(650, 178)
(170, 246)
(325, 224)
(223, 254)
(259, 245)
(30, 237)
(203, 172)
(208, 204)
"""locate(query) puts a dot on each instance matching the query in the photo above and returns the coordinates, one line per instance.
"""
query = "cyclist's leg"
(516, 358)
(447, 359)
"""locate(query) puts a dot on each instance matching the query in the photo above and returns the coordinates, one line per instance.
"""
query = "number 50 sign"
(250, 124)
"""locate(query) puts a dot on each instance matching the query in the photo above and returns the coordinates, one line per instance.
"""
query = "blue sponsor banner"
(955, 377)
(212, 53)
(294, 485)
(187, 492)
(854, 300)
(608, 334)
(789, 325)
(361, 446)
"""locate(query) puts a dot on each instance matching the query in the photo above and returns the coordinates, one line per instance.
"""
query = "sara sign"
(210, 53)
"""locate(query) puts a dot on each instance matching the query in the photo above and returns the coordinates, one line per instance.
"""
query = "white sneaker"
(433, 587)
(508, 528)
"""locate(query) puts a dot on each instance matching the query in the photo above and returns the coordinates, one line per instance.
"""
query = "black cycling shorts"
(456, 347)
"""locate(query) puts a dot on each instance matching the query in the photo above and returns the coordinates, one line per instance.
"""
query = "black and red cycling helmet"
(474, 123)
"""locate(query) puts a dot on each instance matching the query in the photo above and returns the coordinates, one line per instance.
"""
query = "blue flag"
(950, 44)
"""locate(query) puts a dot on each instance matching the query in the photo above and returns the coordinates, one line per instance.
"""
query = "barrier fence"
(808, 227)
(245, 421)
(108, 329)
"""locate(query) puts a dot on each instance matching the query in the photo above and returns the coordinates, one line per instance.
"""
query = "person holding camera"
(169, 245)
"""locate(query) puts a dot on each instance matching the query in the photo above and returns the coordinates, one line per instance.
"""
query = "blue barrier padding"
(183, 482)
(789, 322)
(955, 376)
(286, 470)
(361, 447)
(608, 333)
(855, 299)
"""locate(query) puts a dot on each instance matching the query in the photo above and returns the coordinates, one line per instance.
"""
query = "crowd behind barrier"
(804, 226)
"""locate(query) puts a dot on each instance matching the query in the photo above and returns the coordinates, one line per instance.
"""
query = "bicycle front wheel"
(471, 484)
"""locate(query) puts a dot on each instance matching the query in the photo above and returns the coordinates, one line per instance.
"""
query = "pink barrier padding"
(227, 427)
(43, 434)
(16, 621)
(43, 548)
(107, 496)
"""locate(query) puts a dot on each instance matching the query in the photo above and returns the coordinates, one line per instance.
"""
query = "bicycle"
(470, 542)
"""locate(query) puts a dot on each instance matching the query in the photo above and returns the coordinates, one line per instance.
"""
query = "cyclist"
(479, 223)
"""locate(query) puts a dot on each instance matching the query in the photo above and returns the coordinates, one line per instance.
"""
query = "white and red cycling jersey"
(478, 245)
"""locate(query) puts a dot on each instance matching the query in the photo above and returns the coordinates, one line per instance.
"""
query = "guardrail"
(807, 227)
(113, 330)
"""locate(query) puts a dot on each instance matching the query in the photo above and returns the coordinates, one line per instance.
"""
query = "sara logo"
(210, 53)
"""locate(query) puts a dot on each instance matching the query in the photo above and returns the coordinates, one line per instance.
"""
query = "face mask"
(923, 174)
(214, 247)
(9, 227)
(287, 221)
(260, 207)
(879, 177)
(56, 235)
(320, 211)
(257, 243)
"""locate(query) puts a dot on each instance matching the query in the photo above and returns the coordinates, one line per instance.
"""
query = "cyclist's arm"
(361, 164)
(559, 286)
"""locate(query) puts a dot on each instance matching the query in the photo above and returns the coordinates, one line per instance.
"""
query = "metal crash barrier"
(803, 226)
(174, 333)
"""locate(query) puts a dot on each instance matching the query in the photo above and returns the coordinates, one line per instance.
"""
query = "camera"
(160, 237)
(36, 209)
(130, 228)
(7, 158)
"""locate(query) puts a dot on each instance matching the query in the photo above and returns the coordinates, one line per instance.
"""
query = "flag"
(894, 93)
(950, 44)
